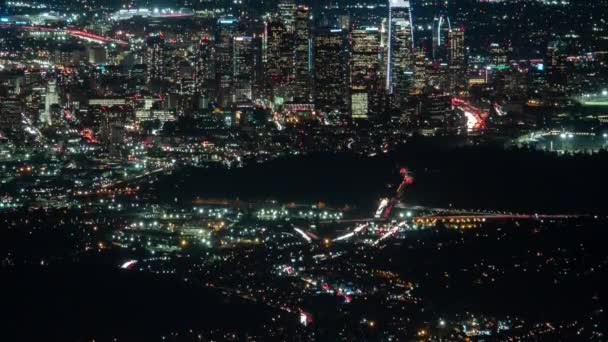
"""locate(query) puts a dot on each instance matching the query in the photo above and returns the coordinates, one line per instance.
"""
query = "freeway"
(476, 117)
(139, 177)
(480, 218)
(70, 31)
(350, 234)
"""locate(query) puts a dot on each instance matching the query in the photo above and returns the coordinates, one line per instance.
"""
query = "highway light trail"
(381, 207)
(345, 236)
(128, 265)
(390, 232)
(348, 235)
(303, 234)
(73, 32)
(476, 117)
(94, 37)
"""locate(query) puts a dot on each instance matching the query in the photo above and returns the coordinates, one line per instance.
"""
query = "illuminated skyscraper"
(555, 64)
(155, 57)
(399, 47)
(226, 30)
(280, 60)
(498, 54)
(364, 69)
(442, 25)
(112, 128)
(330, 70)
(302, 54)
(203, 73)
(287, 13)
(457, 59)
(420, 72)
(51, 98)
(243, 68)
(10, 113)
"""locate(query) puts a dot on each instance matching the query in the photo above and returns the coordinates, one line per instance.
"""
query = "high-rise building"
(498, 54)
(345, 22)
(399, 42)
(364, 69)
(184, 78)
(97, 55)
(279, 60)
(155, 57)
(440, 30)
(555, 65)
(330, 70)
(204, 76)
(435, 110)
(287, 13)
(302, 54)
(244, 66)
(226, 29)
(457, 60)
(10, 113)
(420, 72)
(112, 128)
(238, 8)
(51, 98)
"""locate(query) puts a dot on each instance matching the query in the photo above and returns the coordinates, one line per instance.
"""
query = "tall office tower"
(51, 98)
(239, 8)
(302, 54)
(112, 129)
(457, 60)
(435, 108)
(498, 54)
(555, 65)
(97, 55)
(204, 75)
(345, 22)
(440, 30)
(244, 67)
(185, 80)
(259, 86)
(287, 13)
(10, 113)
(155, 57)
(364, 69)
(280, 61)
(399, 42)
(420, 72)
(226, 30)
(330, 70)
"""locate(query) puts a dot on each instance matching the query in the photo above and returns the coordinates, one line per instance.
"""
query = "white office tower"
(287, 13)
(51, 98)
(399, 47)
(364, 69)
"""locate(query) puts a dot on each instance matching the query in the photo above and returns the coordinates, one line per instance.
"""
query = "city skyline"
(290, 170)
